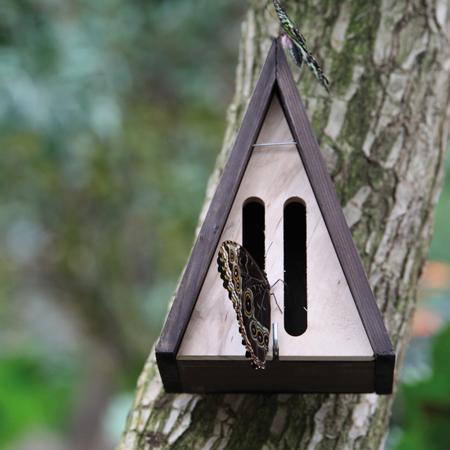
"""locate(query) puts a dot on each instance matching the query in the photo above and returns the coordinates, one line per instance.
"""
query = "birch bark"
(383, 131)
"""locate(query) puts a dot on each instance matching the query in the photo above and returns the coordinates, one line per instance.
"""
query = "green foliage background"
(426, 403)
(111, 115)
(421, 418)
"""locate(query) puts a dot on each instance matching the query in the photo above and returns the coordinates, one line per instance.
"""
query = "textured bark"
(383, 132)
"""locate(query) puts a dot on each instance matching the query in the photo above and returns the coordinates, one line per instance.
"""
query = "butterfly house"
(274, 297)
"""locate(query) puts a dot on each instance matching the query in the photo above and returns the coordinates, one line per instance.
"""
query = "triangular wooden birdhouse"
(277, 200)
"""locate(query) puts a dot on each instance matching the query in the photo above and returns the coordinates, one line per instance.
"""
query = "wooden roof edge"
(330, 208)
(220, 206)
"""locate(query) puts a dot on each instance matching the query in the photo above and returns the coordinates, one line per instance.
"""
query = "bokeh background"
(112, 113)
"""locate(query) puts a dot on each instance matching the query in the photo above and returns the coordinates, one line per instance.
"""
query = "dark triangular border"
(275, 76)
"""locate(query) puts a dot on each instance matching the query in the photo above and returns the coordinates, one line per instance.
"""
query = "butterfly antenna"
(276, 301)
(279, 279)
(267, 251)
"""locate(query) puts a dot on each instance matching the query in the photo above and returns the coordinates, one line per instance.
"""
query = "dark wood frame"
(279, 376)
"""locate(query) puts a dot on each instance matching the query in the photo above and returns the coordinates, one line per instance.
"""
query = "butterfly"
(296, 44)
(249, 291)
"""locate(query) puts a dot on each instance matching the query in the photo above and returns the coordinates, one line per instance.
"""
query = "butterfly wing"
(249, 291)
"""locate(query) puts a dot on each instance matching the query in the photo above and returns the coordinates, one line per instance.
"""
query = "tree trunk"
(383, 132)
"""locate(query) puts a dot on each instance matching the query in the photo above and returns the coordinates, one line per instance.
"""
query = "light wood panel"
(335, 330)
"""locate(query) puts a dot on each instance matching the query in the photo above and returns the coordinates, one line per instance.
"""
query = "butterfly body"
(293, 49)
(249, 291)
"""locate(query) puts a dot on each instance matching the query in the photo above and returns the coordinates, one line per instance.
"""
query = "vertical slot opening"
(295, 299)
(253, 229)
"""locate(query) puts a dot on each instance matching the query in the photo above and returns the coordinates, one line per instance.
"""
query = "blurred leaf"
(426, 404)
(440, 245)
(425, 323)
(436, 275)
(31, 395)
